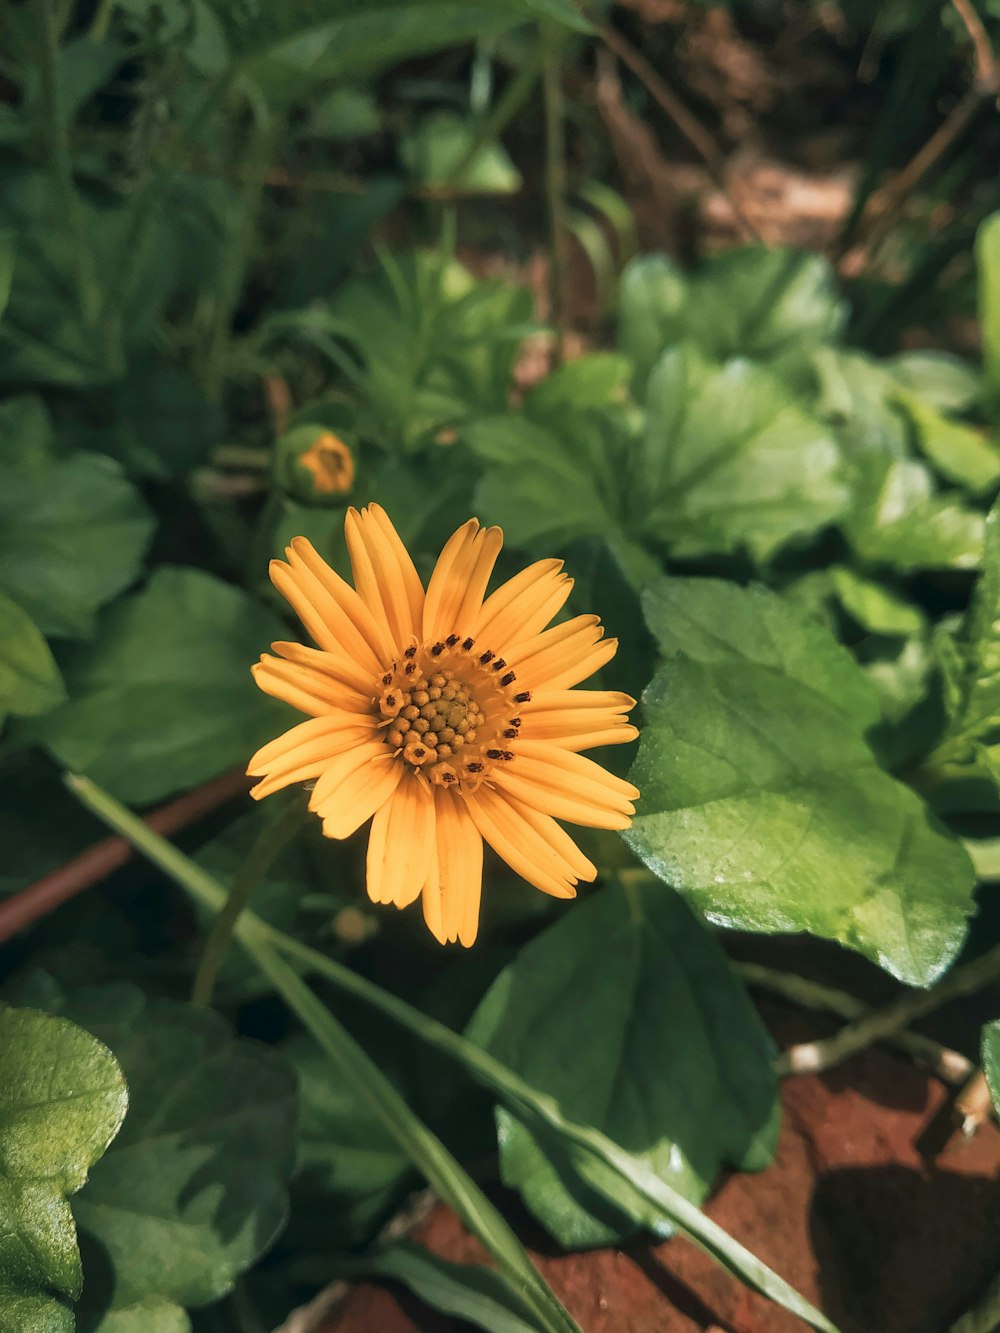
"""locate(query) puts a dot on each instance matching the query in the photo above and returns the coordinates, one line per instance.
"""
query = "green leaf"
(62, 1100)
(634, 970)
(163, 698)
(988, 266)
(730, 459)
(152, 1316)
(263, 944)
(468, 1292)
(30, 682)
(195, 1188)
(351, 1168)
(873, 605)
(970, 663)
(942, 380)
(960, 453)
(754, 302)
(900, 520)
(441, 142)
(72, 532)
(991, 1059)
(763, 804)
(543, 484)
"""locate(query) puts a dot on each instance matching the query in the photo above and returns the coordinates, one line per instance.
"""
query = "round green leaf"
(62, 1100)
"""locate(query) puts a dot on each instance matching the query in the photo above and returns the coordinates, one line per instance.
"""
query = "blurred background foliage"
(705, 298)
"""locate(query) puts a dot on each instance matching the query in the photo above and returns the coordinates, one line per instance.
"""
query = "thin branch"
(685, 120)
(987, 70)
(96, 863)
(949, 1066)
(889, 1021)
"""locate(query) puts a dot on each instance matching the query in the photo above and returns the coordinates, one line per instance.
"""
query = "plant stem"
(950, 1066)
(276, 835)
(555, 190)
(596, 1153)
(424, 1149)
(880, 1024)
(504, 110)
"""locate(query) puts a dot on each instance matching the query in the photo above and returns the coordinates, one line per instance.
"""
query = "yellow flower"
(444, 718)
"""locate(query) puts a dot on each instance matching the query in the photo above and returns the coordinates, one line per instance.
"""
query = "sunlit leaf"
(762, 802)
(634, 973)
(62, 1100)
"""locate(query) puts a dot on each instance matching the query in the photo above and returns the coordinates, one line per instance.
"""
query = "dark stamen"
(473, 768)
(494, 754)
(511, 733)
(410, 668)
(515, 722)
(508, 679)
(387, 678)
(411, 651)
(499, 664)
(451, 640)
(508, 754)
(467, 645)
(437, 650)
(486, 657)
(523, 698)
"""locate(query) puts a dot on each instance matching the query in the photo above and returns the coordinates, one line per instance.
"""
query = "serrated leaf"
(163, 697)
(959, 452)
(635, 972)
(195, 1189)
(875, 607)
(62, 1100)
(753, 302)
(546, 483)
(72, 534)
(762, 802)
(730, 459)
(899, 519)
(969, 661)
(30, 682)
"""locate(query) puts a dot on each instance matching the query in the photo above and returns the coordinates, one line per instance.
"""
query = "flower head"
(446, 717)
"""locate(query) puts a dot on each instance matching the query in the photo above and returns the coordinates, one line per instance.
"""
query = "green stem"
(88, 287)
(102, 20)
(596, 1152)
(555, 189)
(425, 1150)
(261, 857)
(504, 110)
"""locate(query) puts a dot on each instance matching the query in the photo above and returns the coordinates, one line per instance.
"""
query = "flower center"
(450, 713)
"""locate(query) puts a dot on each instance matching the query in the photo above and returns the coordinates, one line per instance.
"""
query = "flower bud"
(314, 465)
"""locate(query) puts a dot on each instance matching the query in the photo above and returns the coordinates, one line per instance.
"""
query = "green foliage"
(762, 801)
(62, 1099)
(30, 682)
(635, 972)
(175, 1211)
(72, 529)
(164, 698)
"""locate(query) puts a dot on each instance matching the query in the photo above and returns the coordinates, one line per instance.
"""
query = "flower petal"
(402, 844)
(304, 685)
(384, 574)
(533, 845)
(522, 606)
(578, 719)
(300, 589)
(568, 786)
(357, 629)
(458, 583)
(562, 656)
(306, 751)
(454, 884)
(353, 786)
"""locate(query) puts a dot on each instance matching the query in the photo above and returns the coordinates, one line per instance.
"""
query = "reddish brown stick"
(97, 862)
